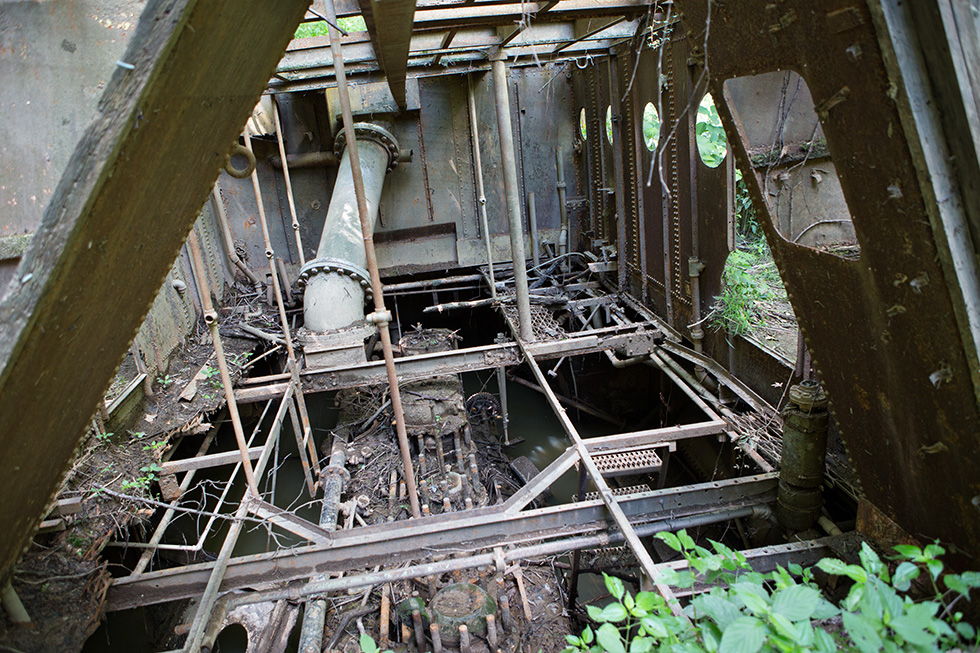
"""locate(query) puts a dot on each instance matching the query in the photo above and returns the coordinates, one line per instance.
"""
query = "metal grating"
(617, 492)
(624, 463)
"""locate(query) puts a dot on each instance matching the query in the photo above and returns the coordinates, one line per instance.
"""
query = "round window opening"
(582, 125)
(651, 126)
(712, 145)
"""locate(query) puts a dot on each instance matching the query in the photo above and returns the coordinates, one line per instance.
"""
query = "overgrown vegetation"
(785, 610)
(320, 27)
(753, 295)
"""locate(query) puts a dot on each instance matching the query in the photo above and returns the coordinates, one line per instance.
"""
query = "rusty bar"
(211, 319)
(210, 594)
(289, 185)
(436, 638)
(208, 461)
(219, 207)
(381, 316)
(618, 172)
(478, 173)
(512, 190)
(642, 555)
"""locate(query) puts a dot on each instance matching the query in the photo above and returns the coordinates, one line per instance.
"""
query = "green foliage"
(750, 278)
(651, 127)
(320, 27)
(369, 646)
(747, 611)
(710, 134)
(747, 229)
(104, 437)
(165, 380)
(150, 474)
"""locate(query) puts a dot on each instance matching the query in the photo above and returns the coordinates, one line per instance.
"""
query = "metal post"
(311, 634)
(211, 319)
(576, 555)
(532, 220)
(13, 607)
(805, 421)
(481, 197)
(381, 317)
(512, 191)
(562, 208)
(289, 185)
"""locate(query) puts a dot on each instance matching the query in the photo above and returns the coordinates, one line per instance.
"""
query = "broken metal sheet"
(883, 330)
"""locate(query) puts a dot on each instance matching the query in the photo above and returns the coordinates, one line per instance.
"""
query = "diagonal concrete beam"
(137, 180)
(390, 24)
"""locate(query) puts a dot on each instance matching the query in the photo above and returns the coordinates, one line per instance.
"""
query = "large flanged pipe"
(337, 283)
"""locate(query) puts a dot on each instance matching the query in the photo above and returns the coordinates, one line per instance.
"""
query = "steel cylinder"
(337, 281)
(805, 421)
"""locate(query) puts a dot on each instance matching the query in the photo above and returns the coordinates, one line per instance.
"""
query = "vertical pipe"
(502, 386)
(532, 219)
(381, 316)
(562, 208)
(13, 607)
(211, 319)
(436, 638)
(464, 639)
(289, 185)
(481, 197)
(229, 242)
(492, 630)
(511, 190)
(419, 633)
(619, 173)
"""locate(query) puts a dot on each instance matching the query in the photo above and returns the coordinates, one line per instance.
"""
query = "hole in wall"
(609, 124)
(582, 126)
(651, 126)
(712, 144)
(788, 152)
(232, 637)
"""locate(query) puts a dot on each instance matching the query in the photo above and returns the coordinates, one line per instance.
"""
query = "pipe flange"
(336, 266)
(809, 396)
(335, 470)
(371, 132)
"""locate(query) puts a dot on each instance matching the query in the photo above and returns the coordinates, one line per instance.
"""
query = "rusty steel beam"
(886, 331)
(133, 187)
(460, 360)
(398, 542)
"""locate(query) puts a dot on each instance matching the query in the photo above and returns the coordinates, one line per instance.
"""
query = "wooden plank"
(138, 178)
(390, 23)
(210, 460)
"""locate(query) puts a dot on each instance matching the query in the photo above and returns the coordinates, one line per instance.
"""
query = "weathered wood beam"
(587, 28)
(136, 182)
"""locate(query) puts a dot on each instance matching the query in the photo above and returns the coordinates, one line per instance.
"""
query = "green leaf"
(870, 560)
(368, 645)
(593, 612)
(753, 596)
(825, 610)
(613, 613)
(669, 539)
(654, 626)
(935, 567)
(824, 641)
(686, 541)
(933, 551)
(573, 640)
(908, 550)
(912, 630)
(628, 601)
(785, 627)
(796, 602)
(832, 566)
(966, 631)
(722, 611)
(904, 574)
(853, 598)
(615, 586)
(588, 636)
(744, 635)
(609, 638)
(862, 632)
(647, 601)
(641, 645)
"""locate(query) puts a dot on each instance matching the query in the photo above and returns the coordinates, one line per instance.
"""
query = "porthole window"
(609, 124)
(651, 127)
(712, 145)
(582, 125)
